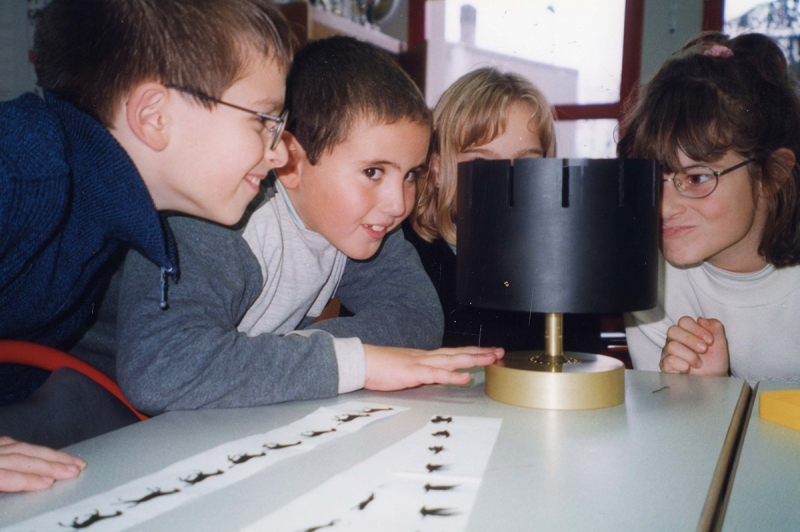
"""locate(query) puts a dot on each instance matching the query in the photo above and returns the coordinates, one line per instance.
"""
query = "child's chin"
(230, 217)
(361, 254)
(678, 260)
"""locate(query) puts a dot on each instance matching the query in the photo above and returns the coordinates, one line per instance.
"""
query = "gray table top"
(647, 464)
(766, 487)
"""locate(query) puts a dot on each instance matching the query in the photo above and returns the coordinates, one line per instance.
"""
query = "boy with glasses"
(85, 171)
(240, 330)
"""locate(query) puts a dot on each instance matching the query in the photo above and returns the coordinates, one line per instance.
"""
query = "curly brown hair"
(706, 104)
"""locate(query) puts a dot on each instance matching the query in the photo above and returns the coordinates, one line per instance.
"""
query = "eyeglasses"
(276, 130)
(700, 181)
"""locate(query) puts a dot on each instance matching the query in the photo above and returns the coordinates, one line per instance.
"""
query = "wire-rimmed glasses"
(700, 181)
(276, 130)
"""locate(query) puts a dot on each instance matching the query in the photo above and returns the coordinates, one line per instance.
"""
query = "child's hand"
(696, 348)
(27, 467)
(397, 368)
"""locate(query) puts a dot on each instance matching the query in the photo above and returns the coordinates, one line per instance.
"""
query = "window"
(585, 55)
(780, 20)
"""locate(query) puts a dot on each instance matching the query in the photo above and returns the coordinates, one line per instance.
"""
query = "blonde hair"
(473, 111)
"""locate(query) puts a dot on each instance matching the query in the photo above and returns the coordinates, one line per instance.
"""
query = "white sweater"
(760, 312)
(301, 271)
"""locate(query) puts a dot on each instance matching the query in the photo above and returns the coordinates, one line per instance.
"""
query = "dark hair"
(92, 52)
(334, 82)
(706, 103)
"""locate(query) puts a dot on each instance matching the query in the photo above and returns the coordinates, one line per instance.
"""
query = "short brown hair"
(706, 104)
(337, 81)
(92, 52)
(473, 111)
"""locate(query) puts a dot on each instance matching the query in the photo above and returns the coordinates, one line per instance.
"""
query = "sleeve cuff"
(352, 363)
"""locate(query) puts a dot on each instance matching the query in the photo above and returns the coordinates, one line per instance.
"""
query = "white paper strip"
(206, 472)
(427, 481)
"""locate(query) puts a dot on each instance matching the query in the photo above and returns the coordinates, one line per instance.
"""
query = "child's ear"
(146, 114)
(289, 174)
(780, 165)
(434, 166)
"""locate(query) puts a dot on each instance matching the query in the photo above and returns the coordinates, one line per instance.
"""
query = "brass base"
(578, 382)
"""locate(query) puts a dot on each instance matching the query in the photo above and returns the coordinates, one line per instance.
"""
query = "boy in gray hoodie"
(241, 330)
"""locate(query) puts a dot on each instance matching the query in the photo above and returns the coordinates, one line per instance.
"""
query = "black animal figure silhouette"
(200, 477)
(315, 433)
(277, 446)
(441, 434)
(242, 458)
(154, 494)
(373, 410)
(440, 419)
(92, 519)
(363, 504)
(439, 512)
(347, 418)
(436, 449)
(320, 527)
(434, 467)
(431, 487)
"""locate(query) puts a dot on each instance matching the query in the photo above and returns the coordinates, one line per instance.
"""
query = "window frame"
(713, 15)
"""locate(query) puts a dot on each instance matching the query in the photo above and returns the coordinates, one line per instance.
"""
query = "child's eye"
(373, 173)
(412, 176)
(696, 180)
(271, 125)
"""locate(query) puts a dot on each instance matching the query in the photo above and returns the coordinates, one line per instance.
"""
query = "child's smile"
(723, 228)
(364, 187)
(376, 231)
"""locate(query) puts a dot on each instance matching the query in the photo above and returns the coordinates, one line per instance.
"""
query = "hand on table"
(28, 467)
(696, 347)
(397, 368)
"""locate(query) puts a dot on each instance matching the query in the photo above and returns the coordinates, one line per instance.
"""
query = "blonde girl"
(490, 115)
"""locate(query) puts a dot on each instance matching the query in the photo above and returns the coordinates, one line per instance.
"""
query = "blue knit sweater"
(70, 198)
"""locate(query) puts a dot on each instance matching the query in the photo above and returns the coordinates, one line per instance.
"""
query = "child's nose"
(671, 200)
(394, 200)
(277, 157)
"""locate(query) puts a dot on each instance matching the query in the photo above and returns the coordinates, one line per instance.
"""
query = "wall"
(16, 72)
(668, 25)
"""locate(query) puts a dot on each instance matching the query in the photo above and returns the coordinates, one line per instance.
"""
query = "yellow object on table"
(781, 406)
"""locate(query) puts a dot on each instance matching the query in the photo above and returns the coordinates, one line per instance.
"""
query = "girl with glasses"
(723, 119)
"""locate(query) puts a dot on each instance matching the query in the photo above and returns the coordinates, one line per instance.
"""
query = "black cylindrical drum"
(558, 235)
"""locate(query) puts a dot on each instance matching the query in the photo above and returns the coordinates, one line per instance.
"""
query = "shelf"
(345, 26)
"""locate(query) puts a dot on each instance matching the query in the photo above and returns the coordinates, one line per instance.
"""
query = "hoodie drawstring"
(165, 273)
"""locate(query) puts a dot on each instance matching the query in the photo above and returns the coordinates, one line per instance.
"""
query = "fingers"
(470, 350)
(435, 375)
(10, 446)
(393, 368)
(439, 367)
(691, 334)
(677, 363)
(693, 344)
(457, 361)
(14, 481)
(713, 326)
(27, 467)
